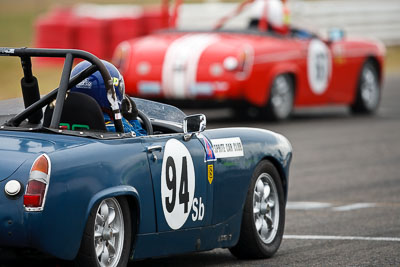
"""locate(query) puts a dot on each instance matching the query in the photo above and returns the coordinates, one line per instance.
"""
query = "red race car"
(268, 66)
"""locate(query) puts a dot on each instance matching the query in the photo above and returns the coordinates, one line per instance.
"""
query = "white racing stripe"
(334, 237)
(180, 64)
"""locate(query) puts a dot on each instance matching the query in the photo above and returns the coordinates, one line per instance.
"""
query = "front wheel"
(368, 90)
(281, 100)
(107, 237)
(263, 216)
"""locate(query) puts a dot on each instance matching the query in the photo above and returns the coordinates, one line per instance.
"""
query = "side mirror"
(335, 34)
(194, 123)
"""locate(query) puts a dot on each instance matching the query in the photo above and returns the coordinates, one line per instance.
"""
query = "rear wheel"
(280, 103)
(263, 216)
(368, 91)
(107, 237)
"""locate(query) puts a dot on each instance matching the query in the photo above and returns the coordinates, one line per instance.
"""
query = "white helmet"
(274, 9)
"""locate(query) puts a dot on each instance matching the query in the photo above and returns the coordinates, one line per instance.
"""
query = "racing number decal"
(177, 183)
(318, 66)
(171, 185)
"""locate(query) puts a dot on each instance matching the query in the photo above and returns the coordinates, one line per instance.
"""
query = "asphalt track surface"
(344, 193)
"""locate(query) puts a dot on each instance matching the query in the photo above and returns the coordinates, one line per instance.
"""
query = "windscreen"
(156, 110)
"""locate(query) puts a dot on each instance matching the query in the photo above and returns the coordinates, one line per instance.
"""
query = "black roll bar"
(65, 82)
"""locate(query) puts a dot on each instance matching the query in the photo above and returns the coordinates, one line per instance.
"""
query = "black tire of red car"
(281, 99)
(117, 216)
(264, 204)
(368, 90)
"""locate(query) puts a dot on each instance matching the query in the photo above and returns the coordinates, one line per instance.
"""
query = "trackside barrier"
(378, 19)
(97, 29)
(369, 18)
(54, 31)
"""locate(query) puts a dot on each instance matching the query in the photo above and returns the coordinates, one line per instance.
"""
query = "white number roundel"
(319, 65)
(177, 183)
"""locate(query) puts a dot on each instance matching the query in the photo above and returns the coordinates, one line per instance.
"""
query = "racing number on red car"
(318, 66)
(321, 71)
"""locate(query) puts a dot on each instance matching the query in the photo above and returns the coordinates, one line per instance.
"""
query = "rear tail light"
(241, 63)
(36, 190)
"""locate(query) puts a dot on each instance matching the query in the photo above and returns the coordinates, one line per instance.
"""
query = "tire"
(281, 100)
(263, 219)
(101, 243)
(368, 91)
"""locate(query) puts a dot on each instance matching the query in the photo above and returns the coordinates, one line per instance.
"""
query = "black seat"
(80, 112)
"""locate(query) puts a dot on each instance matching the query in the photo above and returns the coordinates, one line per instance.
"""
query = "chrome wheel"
(263, 219)
(266, 208)
(369, 88)
(282, 97)
(109, 233)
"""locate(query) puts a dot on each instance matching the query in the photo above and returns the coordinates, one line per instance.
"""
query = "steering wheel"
(146, 122)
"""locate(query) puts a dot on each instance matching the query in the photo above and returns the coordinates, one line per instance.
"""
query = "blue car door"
(182, 181)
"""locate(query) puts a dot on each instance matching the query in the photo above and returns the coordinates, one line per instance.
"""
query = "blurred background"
(23, 24)
(341, 162)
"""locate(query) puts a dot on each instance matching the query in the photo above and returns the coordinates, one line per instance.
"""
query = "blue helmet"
(94, 84)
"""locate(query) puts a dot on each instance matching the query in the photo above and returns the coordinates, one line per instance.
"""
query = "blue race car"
(77, 192)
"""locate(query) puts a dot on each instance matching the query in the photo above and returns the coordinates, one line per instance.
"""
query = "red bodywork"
(201, 65)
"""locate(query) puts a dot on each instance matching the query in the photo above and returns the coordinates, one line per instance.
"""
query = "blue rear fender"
(118, 191)
(133, 198)
(14, 231)
(80, 178)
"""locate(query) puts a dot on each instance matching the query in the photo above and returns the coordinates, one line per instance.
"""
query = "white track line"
(332, 237)
(307, 205)
(354, 206)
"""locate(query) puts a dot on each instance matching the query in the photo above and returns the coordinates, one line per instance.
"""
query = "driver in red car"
(94, 86)
(270, 15)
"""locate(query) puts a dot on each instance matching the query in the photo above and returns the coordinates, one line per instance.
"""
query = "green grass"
(392, 63)
(16, 30)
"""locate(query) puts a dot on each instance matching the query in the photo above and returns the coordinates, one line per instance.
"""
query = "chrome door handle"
(151, 149)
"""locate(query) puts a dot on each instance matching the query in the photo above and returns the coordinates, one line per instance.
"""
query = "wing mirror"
(336, 34)
(193, 124)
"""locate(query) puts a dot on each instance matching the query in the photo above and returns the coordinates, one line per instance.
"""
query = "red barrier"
(94, 28)
(154, 19)
(122, 29)
(54, 31)
(91, 35)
